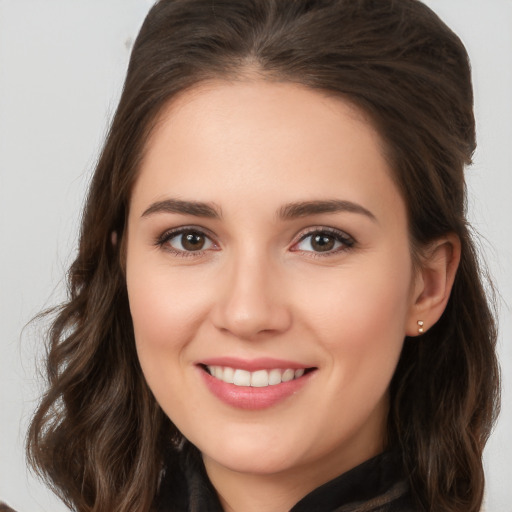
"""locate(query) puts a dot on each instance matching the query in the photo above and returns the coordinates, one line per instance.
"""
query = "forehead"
(281, 141)
(257, 104)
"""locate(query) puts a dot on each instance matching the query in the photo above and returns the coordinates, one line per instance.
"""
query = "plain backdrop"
(62, 64)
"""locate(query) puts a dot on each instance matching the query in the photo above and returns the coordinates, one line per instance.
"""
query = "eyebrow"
(195, 208)
(287, 212)
(305, 208)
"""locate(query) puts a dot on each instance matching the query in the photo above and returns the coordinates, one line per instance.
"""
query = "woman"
(276, 302)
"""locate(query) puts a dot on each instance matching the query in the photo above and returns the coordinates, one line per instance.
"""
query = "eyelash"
(163, 241)
(346, 242)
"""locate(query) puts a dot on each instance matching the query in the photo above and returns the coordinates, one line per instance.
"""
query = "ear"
(433, 283)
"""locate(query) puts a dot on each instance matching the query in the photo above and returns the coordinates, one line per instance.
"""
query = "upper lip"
(252, 365)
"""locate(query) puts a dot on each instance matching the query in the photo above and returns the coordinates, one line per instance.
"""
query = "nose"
(252, 302)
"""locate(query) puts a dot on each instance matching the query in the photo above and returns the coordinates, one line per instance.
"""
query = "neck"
(254, 493)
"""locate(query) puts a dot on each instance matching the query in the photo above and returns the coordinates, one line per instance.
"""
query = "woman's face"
(268, 242)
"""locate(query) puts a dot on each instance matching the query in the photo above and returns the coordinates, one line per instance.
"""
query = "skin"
(259, 289)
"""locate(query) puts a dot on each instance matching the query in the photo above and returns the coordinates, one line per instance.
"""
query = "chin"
(255, 462)
(244, 455)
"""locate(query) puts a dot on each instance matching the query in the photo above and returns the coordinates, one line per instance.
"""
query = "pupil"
(193, 241)
(322, 243)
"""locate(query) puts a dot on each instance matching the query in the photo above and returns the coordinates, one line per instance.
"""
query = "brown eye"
(322, 242)
(193, 241)
(187, 241)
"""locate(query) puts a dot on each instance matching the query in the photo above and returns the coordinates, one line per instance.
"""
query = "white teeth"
(257, 379)
(242, 378)
(229, 375)
(274, 377)
(288, 375)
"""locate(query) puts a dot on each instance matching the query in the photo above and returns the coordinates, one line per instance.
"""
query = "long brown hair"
(98, 436)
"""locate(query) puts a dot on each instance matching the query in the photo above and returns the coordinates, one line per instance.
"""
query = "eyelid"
(169, 234)
(344, 238)
(347, 241)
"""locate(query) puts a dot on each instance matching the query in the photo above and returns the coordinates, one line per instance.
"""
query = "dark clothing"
(377, 485)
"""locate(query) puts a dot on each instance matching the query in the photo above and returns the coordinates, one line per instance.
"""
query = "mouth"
(256, 384)
(256, 379)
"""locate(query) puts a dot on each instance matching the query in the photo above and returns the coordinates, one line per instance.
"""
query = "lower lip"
(247, 397)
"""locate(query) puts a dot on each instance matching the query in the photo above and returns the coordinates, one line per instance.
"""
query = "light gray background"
(62, 64)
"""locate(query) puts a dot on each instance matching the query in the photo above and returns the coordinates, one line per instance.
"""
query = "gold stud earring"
(420, 326)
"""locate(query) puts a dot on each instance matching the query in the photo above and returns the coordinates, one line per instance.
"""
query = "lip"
(252, 365)
(253, 398)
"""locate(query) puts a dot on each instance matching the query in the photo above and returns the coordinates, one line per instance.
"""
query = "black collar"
(377, 485)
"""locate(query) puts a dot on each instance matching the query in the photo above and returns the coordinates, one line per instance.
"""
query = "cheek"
(166, 313)
(166, 308)
(365, 300)
(361, 320)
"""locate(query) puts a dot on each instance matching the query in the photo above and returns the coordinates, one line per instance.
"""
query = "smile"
(254, 385)
(256, 379)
